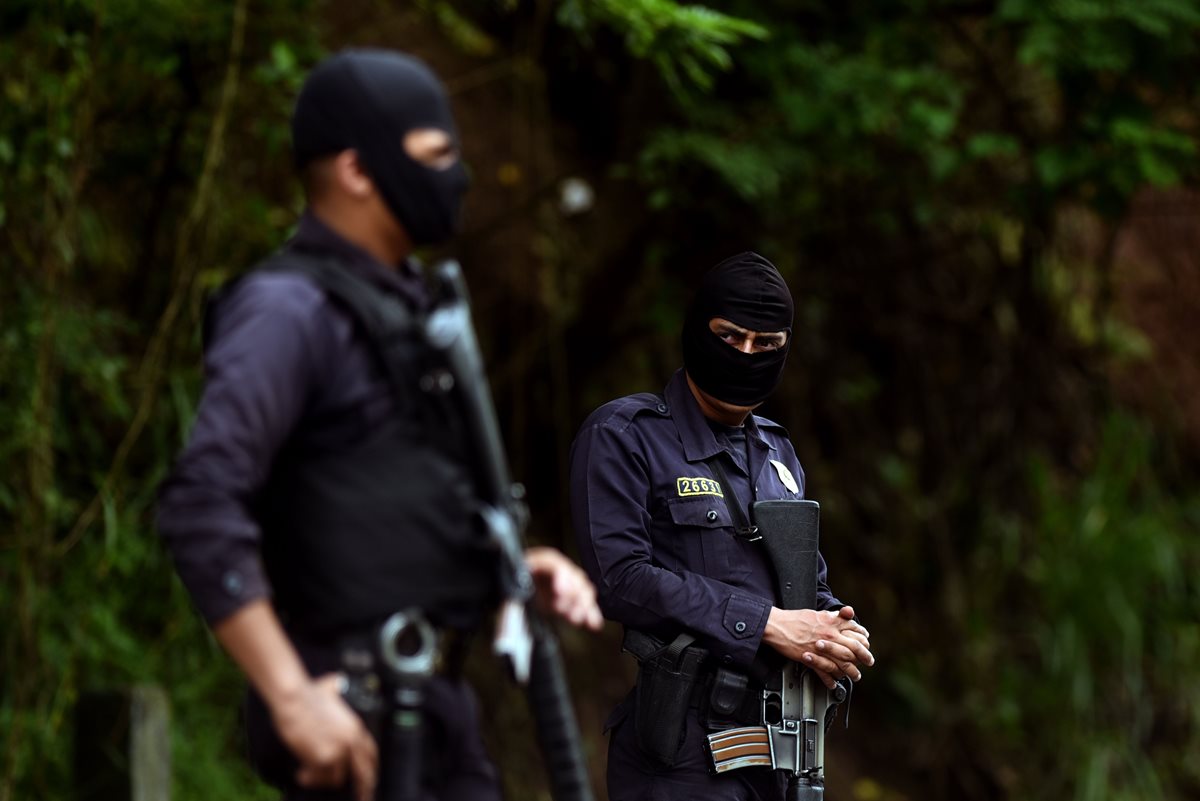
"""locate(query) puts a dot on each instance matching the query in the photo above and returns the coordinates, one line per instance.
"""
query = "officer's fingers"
(307, 776)
(859, 651)
(595, 618)
(581, 614)
(856, 635)
(563, 584)
(840, 651)
(577, 603)
(824, 668)
(330, 775)
(858, 644)
(590, 619)
(847, 626)
(364, 766)
(366, 748)
(330, 685)
(850, 671)
(574, 590)
(566, 585)
(313, 776)
(846, 621)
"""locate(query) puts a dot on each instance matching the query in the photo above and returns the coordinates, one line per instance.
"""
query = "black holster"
(667, 677)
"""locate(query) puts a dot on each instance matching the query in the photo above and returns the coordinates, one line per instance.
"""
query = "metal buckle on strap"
(743, 529)
(747, 533)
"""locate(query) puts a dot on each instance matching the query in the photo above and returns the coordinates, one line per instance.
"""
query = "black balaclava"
(367, 100)
(747, 290)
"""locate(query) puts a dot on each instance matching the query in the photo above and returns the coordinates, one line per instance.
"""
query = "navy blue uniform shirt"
(282, 360)
(654, 527)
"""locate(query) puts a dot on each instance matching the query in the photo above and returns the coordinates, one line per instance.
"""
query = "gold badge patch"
(698, 486)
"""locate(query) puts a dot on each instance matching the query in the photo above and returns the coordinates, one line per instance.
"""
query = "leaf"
(282, 57)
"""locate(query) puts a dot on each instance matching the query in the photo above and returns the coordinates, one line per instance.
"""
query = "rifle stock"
(791, 535)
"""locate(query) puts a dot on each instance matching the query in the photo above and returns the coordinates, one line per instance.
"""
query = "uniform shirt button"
(712, 516)
(740, 626)
(727, 659)
(662, 408)
(232, 582)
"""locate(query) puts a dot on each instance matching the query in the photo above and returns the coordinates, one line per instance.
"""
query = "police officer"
(657, 532)
(315, 497)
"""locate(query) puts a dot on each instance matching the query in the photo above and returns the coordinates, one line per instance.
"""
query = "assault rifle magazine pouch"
(732, 701)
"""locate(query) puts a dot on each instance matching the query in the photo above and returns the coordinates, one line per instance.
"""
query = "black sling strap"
(742, 527)
(385, 320)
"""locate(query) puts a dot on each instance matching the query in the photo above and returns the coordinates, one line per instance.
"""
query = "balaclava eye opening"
(367, 100)
(747, 290)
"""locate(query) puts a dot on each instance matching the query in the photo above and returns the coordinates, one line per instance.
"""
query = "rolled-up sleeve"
(267, 350)
(610, 502)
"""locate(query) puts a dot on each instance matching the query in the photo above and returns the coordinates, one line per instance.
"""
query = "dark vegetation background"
(985, 209)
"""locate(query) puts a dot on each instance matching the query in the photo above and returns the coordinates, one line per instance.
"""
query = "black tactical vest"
(354, 533)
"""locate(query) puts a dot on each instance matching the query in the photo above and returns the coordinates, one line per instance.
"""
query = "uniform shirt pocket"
(707, 518)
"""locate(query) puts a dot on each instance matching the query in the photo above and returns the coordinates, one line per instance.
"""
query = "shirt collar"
(699, 442)
(314, 236)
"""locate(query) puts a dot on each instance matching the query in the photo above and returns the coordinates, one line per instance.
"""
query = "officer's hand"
(327, 737)
(831, 643)
(563, 589)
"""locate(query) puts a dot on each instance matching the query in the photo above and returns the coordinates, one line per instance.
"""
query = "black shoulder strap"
(742, 528)
(383, 318)
(381, 314)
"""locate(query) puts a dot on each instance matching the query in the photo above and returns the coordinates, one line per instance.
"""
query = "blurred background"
(987, 211)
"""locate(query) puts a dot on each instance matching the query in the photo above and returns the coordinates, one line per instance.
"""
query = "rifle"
(525, 640)
(795, 702)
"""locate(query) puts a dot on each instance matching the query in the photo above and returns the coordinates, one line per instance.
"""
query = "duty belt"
(722, 696)
(387, 670)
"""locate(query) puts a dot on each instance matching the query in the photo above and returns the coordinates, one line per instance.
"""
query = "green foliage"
(105, 129)
(464, 34)
(1102, 607)
(945, 102)
(1094, 37)
(686, 43)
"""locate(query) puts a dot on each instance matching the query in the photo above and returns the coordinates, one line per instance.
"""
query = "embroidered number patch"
(698, 486)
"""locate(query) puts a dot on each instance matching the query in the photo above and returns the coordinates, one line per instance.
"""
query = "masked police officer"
(322, 489)
(654, 482)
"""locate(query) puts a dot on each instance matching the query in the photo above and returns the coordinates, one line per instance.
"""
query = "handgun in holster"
(668, 676)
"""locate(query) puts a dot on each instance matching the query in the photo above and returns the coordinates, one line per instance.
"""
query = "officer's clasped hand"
(830, 643)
